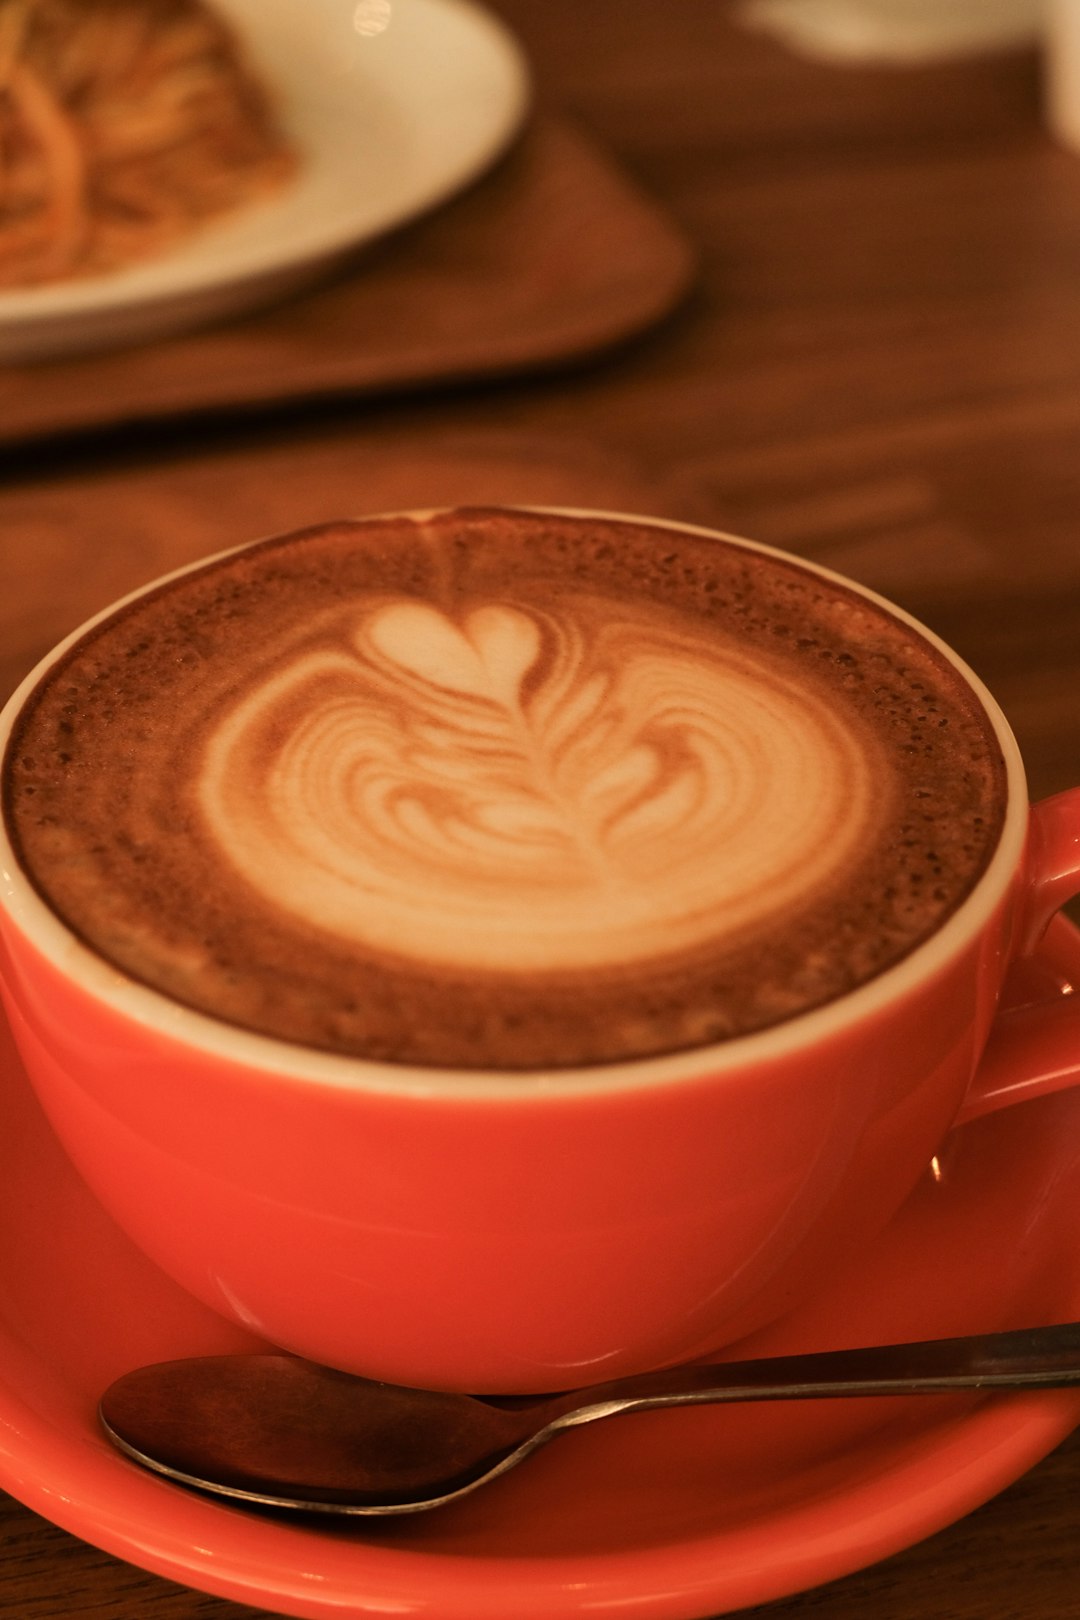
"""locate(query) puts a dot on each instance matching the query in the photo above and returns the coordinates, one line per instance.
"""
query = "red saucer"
(661, 1516)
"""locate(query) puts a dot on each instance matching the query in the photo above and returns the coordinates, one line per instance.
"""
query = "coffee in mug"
(503, 790)
(498, 950)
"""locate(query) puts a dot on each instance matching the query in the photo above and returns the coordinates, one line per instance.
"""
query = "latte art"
(518, 791)
(503, 789)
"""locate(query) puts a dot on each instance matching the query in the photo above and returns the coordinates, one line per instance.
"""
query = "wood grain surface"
(879, 368)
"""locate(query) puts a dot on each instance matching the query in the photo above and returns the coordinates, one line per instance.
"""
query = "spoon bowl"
(280, 1432)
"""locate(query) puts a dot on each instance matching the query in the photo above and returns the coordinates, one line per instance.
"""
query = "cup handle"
(1034, 1049)
(1053, 863)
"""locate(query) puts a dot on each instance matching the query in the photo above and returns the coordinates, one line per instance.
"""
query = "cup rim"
(270, 1055)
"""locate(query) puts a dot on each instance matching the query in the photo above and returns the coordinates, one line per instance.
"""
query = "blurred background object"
(898, 30)
(1063, 69)
(919, 31)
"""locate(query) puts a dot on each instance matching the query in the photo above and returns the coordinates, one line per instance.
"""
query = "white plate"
(394, 106)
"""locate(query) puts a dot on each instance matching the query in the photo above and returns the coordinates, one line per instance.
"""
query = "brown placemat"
(553, 255)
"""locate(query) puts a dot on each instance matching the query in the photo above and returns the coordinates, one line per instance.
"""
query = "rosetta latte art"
(517, 789)
(503, 790)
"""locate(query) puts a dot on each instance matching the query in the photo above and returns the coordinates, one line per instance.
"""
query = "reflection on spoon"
(280, 1432)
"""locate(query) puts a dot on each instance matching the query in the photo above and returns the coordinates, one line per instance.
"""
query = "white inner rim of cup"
(106, 983)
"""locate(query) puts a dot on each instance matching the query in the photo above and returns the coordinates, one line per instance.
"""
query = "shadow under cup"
(538, 1229)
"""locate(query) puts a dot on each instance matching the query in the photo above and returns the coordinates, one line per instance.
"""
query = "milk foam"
(503, 790)
(517, 788)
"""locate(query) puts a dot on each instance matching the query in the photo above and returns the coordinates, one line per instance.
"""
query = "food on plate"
(124, 126)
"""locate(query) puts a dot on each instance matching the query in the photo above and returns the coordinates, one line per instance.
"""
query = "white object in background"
(899, 30)
(1063, 70)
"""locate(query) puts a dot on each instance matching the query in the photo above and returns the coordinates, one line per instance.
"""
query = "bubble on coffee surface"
(503, 790)
(515, 789)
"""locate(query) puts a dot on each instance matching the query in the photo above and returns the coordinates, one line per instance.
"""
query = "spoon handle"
(1046, 1357)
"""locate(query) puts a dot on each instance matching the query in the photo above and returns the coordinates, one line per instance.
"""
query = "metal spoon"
(284, 1433)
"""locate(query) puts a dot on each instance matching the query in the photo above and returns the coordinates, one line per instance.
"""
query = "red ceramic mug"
(506, 1232)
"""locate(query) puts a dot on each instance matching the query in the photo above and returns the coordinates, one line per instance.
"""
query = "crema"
(503, 789)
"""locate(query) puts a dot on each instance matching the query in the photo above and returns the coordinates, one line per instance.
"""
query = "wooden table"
(879, 368)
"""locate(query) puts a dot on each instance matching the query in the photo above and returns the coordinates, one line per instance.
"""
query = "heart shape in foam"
(488, 656)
